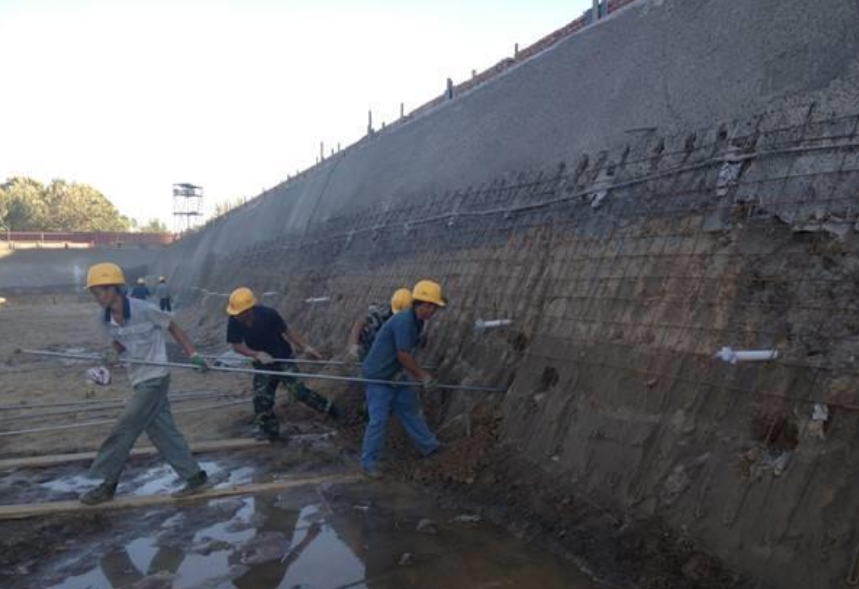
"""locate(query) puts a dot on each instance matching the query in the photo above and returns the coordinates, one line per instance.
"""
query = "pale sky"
(132, 96)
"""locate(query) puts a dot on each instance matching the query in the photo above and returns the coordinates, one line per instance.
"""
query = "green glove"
(200, 364)
(110, 358)
(430, 384)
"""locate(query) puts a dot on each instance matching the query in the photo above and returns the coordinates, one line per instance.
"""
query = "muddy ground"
(473, 477)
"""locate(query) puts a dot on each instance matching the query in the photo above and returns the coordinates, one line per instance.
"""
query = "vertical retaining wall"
(629, 234)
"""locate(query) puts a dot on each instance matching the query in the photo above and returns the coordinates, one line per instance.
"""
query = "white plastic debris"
(480, 324)
(819, 417)
(100, 375)
(733, 356)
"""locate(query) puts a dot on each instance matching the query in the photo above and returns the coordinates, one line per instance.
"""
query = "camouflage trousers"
(265, 388)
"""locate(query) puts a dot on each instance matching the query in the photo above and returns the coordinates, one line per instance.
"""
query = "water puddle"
(313, 540)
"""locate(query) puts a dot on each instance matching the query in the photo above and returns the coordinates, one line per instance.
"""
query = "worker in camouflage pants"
(260, 333)
(265, 387)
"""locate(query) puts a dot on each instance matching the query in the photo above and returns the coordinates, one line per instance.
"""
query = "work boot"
(262, 435)
(99, 494)
(332, 410)
(372, 473)
(195, 484)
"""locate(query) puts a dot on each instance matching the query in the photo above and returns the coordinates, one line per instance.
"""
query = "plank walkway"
(54, 508)
(54, 459)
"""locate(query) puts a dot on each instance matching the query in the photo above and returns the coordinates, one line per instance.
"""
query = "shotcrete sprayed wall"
(678, 178)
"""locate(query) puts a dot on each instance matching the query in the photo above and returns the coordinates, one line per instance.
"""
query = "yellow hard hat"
(105, 274)
(428, 291)
(241, 300)
(401, 300)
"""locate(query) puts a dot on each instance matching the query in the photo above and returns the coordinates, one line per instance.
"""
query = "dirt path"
(68, 324)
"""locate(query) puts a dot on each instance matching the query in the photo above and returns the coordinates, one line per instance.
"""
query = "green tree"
(153, 226)
(27, 205)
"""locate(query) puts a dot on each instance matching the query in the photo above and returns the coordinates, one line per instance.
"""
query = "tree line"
(28, 205)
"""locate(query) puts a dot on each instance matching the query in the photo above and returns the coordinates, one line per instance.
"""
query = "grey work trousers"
(147, 410)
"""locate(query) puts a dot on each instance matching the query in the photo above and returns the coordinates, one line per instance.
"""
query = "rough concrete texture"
(60, 269)
(678, 178)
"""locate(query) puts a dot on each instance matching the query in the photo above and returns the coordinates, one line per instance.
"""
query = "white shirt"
(142, 336)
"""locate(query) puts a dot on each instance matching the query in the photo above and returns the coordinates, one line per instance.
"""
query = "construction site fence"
(85, 238)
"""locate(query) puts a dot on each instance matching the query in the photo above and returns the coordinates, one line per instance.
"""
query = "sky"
(133, 96)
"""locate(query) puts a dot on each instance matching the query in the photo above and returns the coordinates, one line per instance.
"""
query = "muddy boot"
(99, 494)
(194, 485)
(264, 435)
(314, 400)
(372, 473)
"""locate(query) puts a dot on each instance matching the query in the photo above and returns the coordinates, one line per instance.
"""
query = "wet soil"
(363, 535)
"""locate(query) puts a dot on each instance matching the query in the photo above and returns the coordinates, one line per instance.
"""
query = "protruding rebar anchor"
(733, 356)
(481, 325)
(314, 300)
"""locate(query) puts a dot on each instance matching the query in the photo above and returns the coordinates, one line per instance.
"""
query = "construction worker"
(140, 291)
(162, 293)
(136, 332)
(392, 352)
(260, 333)
(364, 330)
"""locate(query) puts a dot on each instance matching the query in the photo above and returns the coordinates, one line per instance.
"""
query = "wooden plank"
(28, 510)
(209, 446)
(54, 459)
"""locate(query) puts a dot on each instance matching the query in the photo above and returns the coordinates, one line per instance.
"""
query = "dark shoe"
(262, 435)
(332, 410)
(433, 452)
(194, 485)
(372, 473)
(99, 494)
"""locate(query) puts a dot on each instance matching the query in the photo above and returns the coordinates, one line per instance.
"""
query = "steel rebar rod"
(90, 357)
(294, 361)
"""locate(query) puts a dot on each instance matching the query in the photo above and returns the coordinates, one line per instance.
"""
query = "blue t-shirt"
(400, 333)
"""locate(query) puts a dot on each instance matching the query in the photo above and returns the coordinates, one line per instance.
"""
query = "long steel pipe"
(91, 357)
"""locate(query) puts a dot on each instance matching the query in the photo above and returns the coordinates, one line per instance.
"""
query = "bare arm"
(182, 339)
(409, 363)
(298, 341)
(355, 333)
(244, 350)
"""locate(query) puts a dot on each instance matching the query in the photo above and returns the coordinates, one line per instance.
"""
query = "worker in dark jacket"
(140, 291)
(260, 333)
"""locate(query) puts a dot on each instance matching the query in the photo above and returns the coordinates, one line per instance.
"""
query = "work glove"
(353, 352)
(312, 354)
(200, 364)
(429, 383)
(264, 358)
(110, 358)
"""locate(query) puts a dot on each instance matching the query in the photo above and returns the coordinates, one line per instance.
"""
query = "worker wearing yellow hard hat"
(135, 330)
(391, 354)
(259, 332)
(364, 330)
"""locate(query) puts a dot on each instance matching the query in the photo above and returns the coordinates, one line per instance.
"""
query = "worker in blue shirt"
(392, 352)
